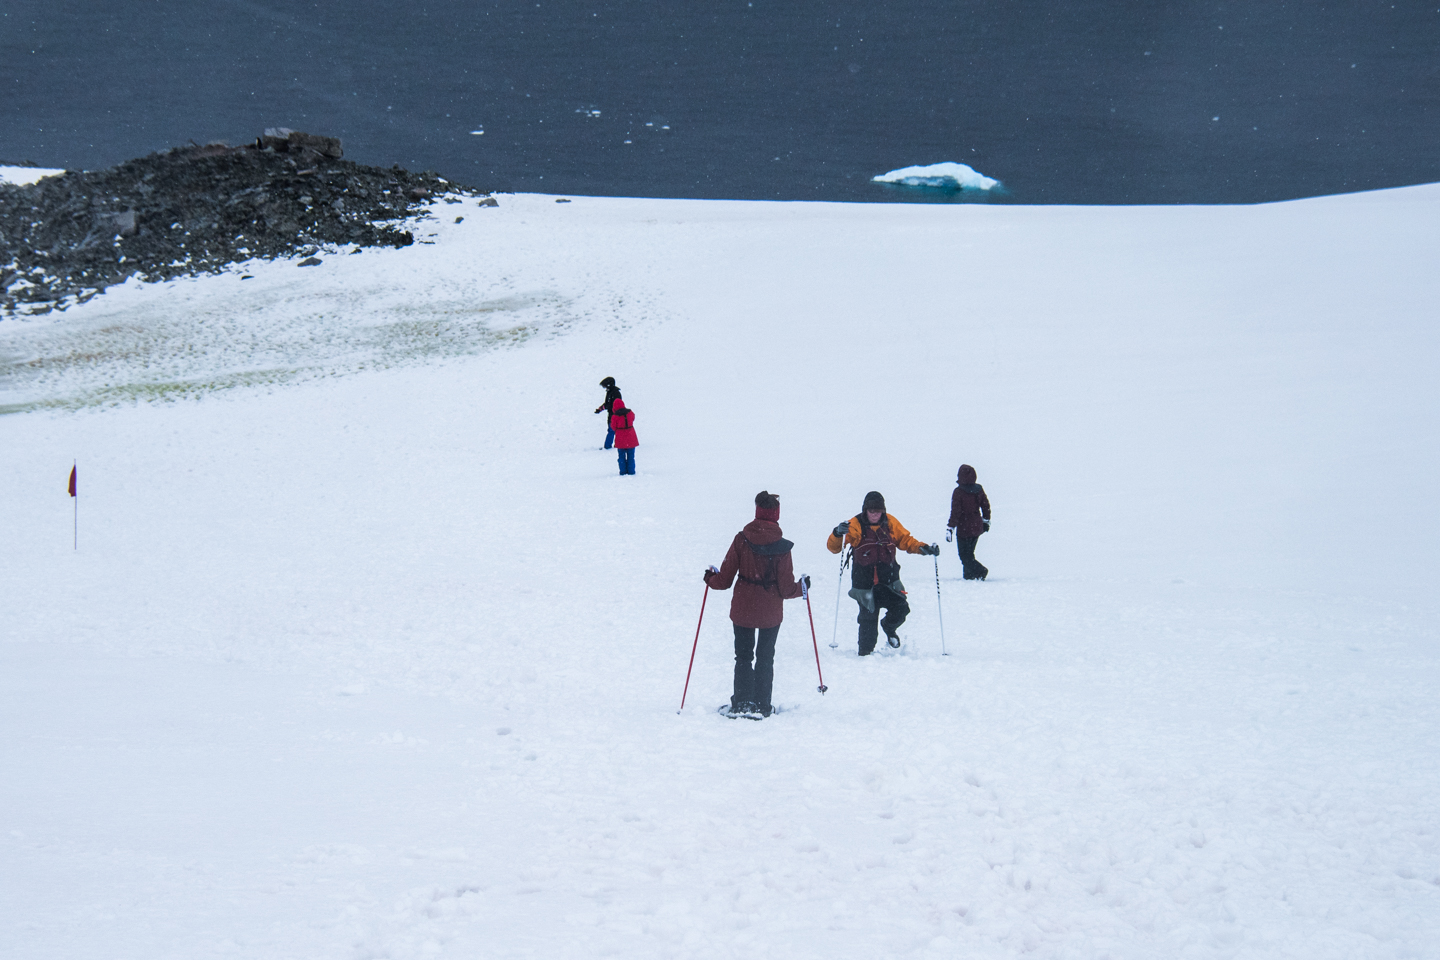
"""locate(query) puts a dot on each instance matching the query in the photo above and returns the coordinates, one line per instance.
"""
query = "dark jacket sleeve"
(728, 569)
(984, 504)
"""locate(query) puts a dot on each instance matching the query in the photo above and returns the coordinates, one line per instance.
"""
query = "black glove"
(949, 533)
(841, 529)
(806, 580)
(933, 550)
(986, 525)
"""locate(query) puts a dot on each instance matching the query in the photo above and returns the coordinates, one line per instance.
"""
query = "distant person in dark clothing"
(874, 537)
(760, 558)
(612, 393)
(622, 424)
(969, 517)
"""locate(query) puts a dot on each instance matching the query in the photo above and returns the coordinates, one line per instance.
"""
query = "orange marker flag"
(73, 469)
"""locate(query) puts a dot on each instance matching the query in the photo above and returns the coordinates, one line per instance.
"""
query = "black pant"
(896, 610)
(753, 682)
(974, 569)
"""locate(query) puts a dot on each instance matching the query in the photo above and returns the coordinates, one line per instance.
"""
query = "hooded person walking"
(622, 421)
(760, 558)
(874, 537)
(969, 517)
(612, 393)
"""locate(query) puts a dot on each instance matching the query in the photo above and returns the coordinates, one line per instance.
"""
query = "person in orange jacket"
(874, 538)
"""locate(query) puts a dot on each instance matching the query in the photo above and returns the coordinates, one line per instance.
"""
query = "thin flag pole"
(75, 495)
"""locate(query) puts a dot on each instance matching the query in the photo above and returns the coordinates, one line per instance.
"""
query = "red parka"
(622, 421)
(766, 581)
(968, 505)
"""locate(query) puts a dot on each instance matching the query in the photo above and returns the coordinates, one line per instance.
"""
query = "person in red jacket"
(969, 517)
(874, 537)
(760, 557)
(622, 421)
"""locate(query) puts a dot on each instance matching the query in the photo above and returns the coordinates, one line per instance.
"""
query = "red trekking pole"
(694, 646)
(805, 590)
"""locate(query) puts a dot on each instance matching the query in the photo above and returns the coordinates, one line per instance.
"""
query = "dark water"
(1093, 101)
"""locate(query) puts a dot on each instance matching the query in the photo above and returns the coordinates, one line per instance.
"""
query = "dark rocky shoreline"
(196, 210)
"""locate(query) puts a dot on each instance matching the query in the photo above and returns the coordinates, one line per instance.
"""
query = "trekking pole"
(814, 642)
(940, 606)
(805, 590)
(693, 648)
(844, 561)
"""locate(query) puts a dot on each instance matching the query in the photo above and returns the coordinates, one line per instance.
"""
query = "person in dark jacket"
(969, 517)
(874, 537)
(622, 422)
(760, 557)
(612, 393)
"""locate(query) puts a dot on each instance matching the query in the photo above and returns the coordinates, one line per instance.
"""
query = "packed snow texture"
(367, 650)
(948, 176)
(24, 176)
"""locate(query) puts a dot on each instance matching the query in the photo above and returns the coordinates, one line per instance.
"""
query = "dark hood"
(966, 474)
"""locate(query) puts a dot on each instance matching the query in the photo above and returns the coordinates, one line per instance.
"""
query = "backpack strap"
(770, 549)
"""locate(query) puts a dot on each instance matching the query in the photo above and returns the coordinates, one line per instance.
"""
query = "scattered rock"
(305, 146)
(199, 209)
(489, 202)
(310, 262)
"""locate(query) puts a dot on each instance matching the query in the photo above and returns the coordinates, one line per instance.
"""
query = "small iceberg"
(942, 176)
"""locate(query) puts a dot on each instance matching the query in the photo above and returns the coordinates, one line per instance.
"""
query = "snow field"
(382, 659)
(24, 176)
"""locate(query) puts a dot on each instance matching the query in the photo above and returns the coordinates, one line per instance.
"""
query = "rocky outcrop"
(198, 209)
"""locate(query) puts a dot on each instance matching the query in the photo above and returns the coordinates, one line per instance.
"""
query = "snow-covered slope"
(367, 651)
(22, 176)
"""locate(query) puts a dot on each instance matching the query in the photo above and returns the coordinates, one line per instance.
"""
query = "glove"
(805, 579)
(841, 529)
(933, 550)
(986, 525)
(709, 571)
(949, 533)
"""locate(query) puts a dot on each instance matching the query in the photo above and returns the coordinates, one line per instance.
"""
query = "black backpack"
(772, 552)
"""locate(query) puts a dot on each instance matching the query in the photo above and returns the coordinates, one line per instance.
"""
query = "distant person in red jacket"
(760, 558)
(622, 421)
(969, 517)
